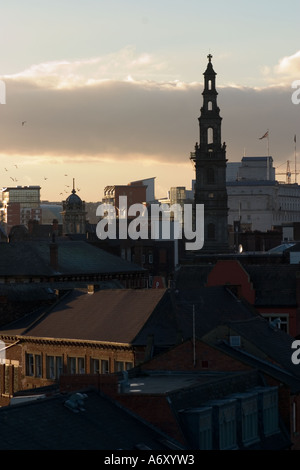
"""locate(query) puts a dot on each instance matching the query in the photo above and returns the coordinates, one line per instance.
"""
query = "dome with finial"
(73, 201)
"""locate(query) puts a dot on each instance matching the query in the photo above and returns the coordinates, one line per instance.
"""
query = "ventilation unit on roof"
(75, 402)
(235, 341)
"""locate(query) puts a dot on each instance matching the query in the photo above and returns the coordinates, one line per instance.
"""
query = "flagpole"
(266, 135)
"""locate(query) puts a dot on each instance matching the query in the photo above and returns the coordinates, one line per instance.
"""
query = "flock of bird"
(14, 179)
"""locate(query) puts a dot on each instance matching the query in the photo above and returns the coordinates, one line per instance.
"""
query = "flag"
(264, 136)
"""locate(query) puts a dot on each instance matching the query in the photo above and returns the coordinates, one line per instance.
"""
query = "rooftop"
(84, 421)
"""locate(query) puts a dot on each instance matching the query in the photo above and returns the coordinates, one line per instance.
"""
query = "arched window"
(210, 174)
(211, 231)
(209, 84)
(209, 106)
(210, 135)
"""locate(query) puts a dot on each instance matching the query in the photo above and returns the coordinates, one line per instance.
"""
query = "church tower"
(209, 159)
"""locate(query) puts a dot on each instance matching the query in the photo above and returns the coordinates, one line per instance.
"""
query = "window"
(209, 106)
(99, 366)
(76, 365)
(29, 365)
(38, 365)
(33, 365)
(270, 412)
(81, 365)
(205, 431)
(279, 320)
(227, 427)
(235, 341)
(104, 366)
(95, 366)
(54, 366)
(121, 366)
(210, 135)
(198, 426)
(249, 420)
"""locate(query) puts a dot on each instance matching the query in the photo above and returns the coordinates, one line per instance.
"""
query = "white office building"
(256, 199)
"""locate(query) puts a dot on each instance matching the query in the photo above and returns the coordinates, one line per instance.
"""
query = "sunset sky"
(110, 91)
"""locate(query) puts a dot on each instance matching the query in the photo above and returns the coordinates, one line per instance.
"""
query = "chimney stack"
(53, 254)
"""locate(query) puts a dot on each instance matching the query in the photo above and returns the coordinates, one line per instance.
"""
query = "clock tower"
(209, 158)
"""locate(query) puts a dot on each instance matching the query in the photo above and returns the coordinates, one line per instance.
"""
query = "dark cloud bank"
(129, 119)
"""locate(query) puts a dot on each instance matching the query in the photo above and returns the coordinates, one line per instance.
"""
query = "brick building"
(19, 205)
(272, 288)
(85, 332)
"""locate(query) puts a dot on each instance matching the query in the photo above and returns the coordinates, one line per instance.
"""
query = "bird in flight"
(5, 169)
(23, 122)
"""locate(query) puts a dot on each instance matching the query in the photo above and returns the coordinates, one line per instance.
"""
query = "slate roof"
(272, 341)
(132, 315)
(47, 424)
(275, 371)
(74, 257)
(172, 320)
(107, 315)
(274, 285)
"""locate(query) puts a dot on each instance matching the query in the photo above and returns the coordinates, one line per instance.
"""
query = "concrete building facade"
(256, 200)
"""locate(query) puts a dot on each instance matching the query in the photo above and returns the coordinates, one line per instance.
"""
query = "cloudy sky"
(110, 91)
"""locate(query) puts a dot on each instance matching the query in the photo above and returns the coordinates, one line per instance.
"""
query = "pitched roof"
(110, 315)
(47, 423)
(173, 319)
(263, 347)
(74, 257)
(272, 341)
(131, 316)
(273, 284)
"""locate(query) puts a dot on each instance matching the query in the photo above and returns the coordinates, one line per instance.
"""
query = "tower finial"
(209, 57)
(73, 186)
